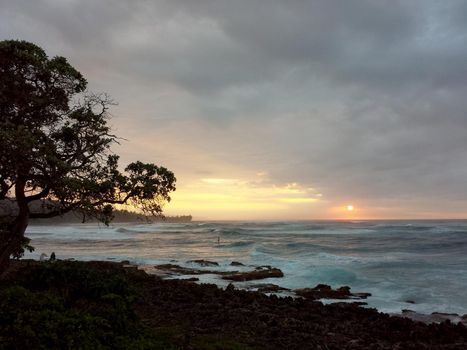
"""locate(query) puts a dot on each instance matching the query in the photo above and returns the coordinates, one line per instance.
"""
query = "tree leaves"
(55, 138)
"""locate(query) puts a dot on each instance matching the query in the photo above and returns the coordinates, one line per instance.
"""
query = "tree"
(55, 148)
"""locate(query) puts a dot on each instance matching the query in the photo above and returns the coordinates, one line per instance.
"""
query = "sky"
(277, 110)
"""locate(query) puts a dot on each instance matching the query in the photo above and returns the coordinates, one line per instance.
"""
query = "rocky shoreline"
(319, 292)
(273, 322)
(255, 320)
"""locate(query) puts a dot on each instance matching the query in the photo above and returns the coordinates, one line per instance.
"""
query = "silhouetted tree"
(55, 147)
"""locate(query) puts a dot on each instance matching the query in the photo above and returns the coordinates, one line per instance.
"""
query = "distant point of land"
(120, 216)
(8, 208)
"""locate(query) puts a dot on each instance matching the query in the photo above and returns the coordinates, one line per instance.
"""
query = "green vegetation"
(70, 305)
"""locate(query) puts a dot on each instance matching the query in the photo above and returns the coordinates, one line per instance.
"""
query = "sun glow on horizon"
(237, 198)
(350, 207)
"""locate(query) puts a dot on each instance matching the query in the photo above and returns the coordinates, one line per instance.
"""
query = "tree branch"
(4, 189)
(114, 201)
(39, 195)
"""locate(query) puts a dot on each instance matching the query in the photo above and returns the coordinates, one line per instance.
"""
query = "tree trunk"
(14, 234)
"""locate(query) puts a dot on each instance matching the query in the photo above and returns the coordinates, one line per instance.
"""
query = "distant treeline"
(8, 210)
(119, 216)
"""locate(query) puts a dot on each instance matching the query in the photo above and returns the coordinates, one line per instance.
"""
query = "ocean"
(416, 265)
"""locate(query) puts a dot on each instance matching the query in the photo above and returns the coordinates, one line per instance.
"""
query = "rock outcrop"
(323, 291)
(259, 273)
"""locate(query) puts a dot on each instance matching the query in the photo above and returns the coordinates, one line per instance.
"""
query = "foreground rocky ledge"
(252, 320)
(260, 272)
(321, 291)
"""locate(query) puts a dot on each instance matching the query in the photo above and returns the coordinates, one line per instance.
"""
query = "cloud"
(254, 197)
(362, 100)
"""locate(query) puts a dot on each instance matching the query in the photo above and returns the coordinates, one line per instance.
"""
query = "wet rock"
(259, 273)
(343, 290)
(435, 317)
(444, 314)
(177, 269)
(410, 302)
(267, 288)
(323, 291)
(202, 262)
(353, 303)
(361, 295)
(192, 279)
(230, 288)
(130, 267)
(236, 263)
(407, 311)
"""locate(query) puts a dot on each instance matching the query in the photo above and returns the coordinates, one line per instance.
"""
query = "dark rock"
(361, 295)
(444, 314)
(407, 311)
(236, 263)
(323, 291)
(173, 268)
(125, 262)
(130, 267)
(259, 273)
(202, 262)
(410, 302)
(230, 287)
(344, 290)
(192, 279)
(178, 269)
(353, 303)
(435, 317)
(267, 288)
(323, 287)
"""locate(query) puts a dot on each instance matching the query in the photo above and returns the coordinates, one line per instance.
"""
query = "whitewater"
(417, 265)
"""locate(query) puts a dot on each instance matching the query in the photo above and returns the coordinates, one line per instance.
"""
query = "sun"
(349, 207)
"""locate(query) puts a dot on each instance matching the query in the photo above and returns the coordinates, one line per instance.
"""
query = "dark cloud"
(359, 99)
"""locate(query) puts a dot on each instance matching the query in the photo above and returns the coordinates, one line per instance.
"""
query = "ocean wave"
(232, 231)
(125, 230)
(341, 259)
(333, 276)
(238, 244)
(392, 260)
